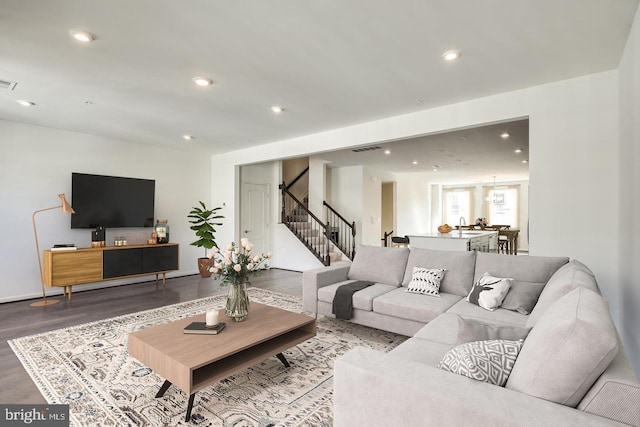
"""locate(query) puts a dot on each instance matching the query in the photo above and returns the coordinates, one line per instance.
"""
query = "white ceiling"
(329, 63)
(463, 156)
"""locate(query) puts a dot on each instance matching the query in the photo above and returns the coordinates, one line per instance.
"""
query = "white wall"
(413, 211)
(347, 195)
(36, 164)
(573, 142)
(629, 192)
(371, 207)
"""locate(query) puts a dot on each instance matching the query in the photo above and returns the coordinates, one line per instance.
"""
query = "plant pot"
(204, 264)
(237, 308)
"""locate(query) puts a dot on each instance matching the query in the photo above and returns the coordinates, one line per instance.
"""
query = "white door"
(255, 216)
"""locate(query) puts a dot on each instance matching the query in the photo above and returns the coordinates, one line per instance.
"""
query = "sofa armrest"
(372, 388)
(312, 280)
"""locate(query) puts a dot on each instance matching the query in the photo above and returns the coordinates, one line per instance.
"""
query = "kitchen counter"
(467, 240)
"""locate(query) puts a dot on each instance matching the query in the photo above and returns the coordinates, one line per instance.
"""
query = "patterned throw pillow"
(488, 361)
(489, 292)
(426, 281)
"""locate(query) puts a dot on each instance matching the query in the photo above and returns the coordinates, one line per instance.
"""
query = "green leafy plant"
(204, 222)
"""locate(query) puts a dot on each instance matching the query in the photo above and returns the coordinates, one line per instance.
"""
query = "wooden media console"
(88, 265)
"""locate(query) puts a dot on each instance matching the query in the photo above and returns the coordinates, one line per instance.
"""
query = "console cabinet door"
(122, 262)
(72, 267)
(161, 258)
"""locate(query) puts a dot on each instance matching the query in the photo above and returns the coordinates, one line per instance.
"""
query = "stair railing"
(341, 232)
(307, 227)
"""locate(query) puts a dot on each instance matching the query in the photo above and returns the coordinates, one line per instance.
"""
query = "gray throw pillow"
(487, 361)
(522, 297)
(473, 330)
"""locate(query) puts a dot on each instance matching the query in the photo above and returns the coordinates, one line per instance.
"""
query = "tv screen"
(111, 201)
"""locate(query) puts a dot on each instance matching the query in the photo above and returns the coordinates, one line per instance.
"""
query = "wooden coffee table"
(193, 362)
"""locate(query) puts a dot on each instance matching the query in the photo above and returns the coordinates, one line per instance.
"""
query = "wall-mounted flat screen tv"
(111, 201)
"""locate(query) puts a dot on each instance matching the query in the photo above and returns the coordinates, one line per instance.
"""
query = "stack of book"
(64, 247)
(202, 328)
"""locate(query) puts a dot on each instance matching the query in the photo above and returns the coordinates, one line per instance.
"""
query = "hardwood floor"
(18, 319)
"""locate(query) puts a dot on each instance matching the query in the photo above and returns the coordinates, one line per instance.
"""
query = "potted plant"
(203, 222)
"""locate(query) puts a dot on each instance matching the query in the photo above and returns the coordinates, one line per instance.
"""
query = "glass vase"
(237, 308)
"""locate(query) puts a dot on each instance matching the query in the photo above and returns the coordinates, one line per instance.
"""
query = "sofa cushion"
(568, 277)
(453, 330)
(488, 292)
(426, 281)
(362, 300)
(522, 297)
(533, 269)
(421, 308)
(567, 350)
(459, 265)
(474, 330)
(500, 316)
(421, 351)
(380, 265)
(487, 361)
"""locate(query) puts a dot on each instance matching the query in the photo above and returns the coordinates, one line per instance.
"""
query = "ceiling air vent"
(360, 150)
(4, 84)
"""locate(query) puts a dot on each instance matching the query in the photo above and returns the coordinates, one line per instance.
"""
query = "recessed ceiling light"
(451, 55)
(202, 81)
(504, 135)
(518, 150)
(525, 161)
(387, 151)
(188, 137)
(25, 103)
(277, 109)
(435, 166)
(82, 36)
(415, 162)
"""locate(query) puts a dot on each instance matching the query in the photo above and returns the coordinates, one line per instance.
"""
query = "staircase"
(298, 221)
(322, 239)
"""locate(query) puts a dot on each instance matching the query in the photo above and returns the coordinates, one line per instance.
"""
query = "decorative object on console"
(162, 231)
(235, 265)
(203, 221)
(98, 239)
(489, 292)
(66, 208)
(426, 281)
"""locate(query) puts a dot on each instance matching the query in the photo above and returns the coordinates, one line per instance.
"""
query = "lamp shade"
(66, 207)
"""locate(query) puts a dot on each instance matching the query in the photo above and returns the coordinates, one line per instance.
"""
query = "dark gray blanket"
(343, 299)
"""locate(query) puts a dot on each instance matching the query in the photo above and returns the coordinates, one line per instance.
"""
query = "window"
(502, 205)
(458, 202)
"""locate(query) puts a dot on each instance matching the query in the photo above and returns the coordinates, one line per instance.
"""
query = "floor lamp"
(66, 208)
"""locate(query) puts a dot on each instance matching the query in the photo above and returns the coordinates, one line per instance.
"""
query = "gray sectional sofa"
(571, 368)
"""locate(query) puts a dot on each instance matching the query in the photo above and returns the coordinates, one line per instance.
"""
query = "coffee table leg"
(189, 408)
(284, 361)
(164, 388)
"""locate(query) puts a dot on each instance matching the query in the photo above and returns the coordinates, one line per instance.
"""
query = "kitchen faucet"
(460, 224)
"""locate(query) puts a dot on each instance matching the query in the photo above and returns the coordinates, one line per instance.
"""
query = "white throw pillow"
(426, 281)
(487, 361)
(488, 292)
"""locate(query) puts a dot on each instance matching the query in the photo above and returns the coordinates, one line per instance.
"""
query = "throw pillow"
(473, 330)
(488, 292)
(426, 281)
(522, 297)
(487, 361)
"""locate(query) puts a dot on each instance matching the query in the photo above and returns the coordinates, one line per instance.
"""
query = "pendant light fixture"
(493, 199)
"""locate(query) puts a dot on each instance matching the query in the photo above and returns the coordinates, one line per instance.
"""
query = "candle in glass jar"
(211, 317)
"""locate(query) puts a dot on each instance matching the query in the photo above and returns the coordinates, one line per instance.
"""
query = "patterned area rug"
(88, 367)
